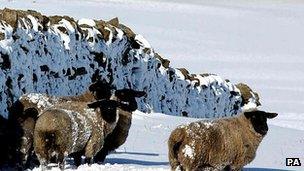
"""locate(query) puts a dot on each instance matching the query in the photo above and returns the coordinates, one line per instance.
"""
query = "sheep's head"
(108, 109)
(101, 89)
(258, 120)
(127, 98)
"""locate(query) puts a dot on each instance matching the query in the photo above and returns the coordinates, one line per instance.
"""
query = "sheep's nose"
(264, 130)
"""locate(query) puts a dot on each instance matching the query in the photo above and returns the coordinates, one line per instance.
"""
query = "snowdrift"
(62, 56)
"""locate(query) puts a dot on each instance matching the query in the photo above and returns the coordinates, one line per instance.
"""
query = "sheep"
(4, 145)
(15, 131)
(71, 127)
(223, 144)
(39, 101)
(24, 112)
(121, 131)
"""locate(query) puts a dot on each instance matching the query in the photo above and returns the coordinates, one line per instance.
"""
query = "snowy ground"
(257, 42)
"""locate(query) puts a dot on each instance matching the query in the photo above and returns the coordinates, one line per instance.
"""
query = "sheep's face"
(101, 90)
(258, 120)
(127, 98)
(108, 109)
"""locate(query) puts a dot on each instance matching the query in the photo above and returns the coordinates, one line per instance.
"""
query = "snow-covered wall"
(61, 56)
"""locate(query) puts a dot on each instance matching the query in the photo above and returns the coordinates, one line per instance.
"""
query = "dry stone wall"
(62, 56)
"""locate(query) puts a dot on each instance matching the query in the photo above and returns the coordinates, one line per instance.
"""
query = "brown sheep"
(227, 143)
(24, 112)
(121, 131)
(71, 127)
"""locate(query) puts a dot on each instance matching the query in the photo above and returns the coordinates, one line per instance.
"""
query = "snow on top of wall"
(142, 41)
(60, 56)
(89, 22)
(251, 105)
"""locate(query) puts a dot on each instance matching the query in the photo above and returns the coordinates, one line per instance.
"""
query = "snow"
(42, 100)
(188, 151)
(208, 124)
(75, 127)
(251, 105)
(256, 42)
(141, 40)
(86, 21)
(34, 22)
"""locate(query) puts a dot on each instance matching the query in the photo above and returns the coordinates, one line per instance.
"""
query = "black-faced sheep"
(24, 112)
(119, 135)
(72, 127)
(4, 144)
(14, 131)
(228, 143)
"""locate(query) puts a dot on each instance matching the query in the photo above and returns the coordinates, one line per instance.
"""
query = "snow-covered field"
(257, 42)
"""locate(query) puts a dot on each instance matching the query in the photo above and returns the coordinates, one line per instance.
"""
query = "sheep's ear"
(95, 104)
(266, 114)
(248, 114)
(100, 84)
(92, 87)
(101, 103)
(270, 115)
(140, 93)
(251, 113)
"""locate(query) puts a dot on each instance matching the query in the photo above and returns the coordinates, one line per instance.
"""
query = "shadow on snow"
(262, 169)
(132, 161)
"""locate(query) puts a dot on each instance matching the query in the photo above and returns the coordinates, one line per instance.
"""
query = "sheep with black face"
(126, 97)
(72, 127)
(228, 143)
(4, 145)
(24, 112)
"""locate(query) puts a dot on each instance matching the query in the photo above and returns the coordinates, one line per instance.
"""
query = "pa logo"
(293, 162)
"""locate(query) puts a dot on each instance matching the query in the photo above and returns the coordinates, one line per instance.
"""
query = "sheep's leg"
(77, 158)
(178, 168)
(89, 160)
(32, 161)
(77, 161)
(227, 168)
(94, 145)
(43, 165)
(236, 169)
(206, 167)
(101, 155)
(61, 161)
